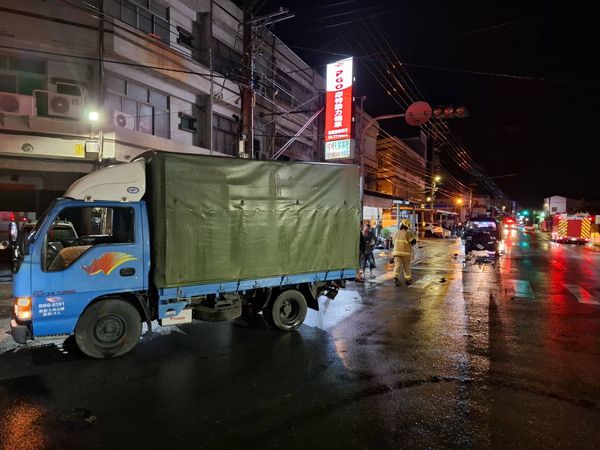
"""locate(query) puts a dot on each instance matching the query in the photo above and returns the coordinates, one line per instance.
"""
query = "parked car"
(482, 233)
(61, 231)
(434, 230)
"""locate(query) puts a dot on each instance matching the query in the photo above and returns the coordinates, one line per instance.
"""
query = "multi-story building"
(155, 74)
(557, 204)
(402, 170)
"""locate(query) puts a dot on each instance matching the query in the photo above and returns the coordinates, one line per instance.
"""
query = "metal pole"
(101, 78)
(212, 88)
(361, 163)
(247, 83)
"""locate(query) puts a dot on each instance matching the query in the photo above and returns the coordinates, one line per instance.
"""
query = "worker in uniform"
(404, 239)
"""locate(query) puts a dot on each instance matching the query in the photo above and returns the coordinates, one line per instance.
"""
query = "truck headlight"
(23, 308)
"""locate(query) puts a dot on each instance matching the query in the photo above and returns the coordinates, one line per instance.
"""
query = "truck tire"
(108, 328)
(428, 233)
(286, 311)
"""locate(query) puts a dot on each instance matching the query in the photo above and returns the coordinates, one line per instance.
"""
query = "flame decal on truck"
(107, 263)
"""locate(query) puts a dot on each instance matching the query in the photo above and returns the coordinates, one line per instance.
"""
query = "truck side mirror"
(13, 232)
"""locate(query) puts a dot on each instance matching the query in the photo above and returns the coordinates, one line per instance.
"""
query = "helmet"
(405, 222)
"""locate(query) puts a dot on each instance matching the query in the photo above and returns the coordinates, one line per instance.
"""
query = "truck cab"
(82, 250)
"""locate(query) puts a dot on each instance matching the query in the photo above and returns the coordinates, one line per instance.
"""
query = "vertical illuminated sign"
(338, 109)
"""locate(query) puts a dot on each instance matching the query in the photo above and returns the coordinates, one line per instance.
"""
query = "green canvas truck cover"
(217, 219)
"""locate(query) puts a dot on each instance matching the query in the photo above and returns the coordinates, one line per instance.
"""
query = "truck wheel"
(287, 311)
(428, 233)
(108, 328)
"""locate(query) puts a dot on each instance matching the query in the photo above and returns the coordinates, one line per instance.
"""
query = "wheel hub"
(287, 311)
(109, 329)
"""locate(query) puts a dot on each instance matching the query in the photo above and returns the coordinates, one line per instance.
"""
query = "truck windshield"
(28, 233)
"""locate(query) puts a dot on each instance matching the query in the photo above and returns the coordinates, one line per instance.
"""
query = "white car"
(434, 230)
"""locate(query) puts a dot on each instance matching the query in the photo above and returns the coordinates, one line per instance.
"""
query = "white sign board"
(342, 149)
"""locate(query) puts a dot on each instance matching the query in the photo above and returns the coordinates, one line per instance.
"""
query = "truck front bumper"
(20, 331)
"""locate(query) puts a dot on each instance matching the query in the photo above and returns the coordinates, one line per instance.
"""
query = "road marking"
(384, 277)
(582, 295)
(390, 275)
(518, 289)
(422, 283)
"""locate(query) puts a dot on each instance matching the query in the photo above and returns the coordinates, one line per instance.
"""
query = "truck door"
(102, 255)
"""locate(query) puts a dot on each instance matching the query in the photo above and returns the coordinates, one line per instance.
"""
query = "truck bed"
(222, 220)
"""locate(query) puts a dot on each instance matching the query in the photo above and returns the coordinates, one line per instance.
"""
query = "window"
(21, 75)
(290, 91)
(187, 122)
(479, 225)
(149, 16)
(76, 229)
(149, 108)
(225, 59)
(225, 135)
(185, 38)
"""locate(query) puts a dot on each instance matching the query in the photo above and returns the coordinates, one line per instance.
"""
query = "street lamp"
(416, 114)
(434, 187)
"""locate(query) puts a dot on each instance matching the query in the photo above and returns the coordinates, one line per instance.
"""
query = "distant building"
(401, 170)
(558, 205)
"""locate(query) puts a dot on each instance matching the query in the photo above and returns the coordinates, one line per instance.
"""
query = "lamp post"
(434, 187)
(416, 114)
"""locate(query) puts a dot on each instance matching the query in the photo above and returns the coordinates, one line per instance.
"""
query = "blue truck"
(172, 238)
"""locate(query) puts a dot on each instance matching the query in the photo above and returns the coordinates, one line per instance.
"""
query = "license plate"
(185, 316)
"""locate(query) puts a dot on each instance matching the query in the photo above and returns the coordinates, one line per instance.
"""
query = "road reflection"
(20, 430)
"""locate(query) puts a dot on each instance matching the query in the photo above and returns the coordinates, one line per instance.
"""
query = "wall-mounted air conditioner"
(123, 120)
(16, 104)
(63, 105)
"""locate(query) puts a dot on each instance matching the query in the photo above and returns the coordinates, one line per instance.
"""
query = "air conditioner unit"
(123, 120)
(16, 104)
(63, 105)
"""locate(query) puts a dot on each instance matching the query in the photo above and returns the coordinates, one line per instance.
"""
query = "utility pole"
(471, 187)
(246, 149)
(435, 177)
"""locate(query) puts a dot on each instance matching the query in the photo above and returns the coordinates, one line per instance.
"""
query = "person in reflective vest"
(404, 239)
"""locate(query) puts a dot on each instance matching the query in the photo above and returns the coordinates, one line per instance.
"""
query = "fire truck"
(573, 228)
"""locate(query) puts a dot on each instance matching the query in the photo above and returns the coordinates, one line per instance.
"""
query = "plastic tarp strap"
(217, 219)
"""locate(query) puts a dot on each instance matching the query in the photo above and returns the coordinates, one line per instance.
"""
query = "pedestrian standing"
(404, 240)
(361, 256)
(369, 246)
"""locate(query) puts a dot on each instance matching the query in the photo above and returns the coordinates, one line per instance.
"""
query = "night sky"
(525, 71)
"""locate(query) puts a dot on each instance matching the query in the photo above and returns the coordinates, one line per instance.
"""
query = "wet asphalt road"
(473, 355)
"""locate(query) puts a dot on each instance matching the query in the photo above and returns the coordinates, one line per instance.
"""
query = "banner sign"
(338, 105)
(342, 149)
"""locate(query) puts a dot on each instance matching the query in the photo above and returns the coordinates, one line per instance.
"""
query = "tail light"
(23, 308)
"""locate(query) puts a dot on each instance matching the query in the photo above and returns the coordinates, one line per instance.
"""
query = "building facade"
(155, 74)
(401, 170)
